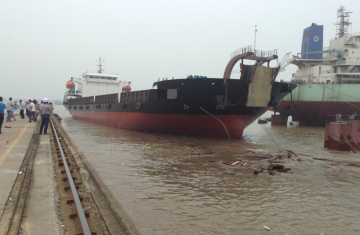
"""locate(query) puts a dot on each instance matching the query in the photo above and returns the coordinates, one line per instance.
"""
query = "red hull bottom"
(315, 113)
(200, 125)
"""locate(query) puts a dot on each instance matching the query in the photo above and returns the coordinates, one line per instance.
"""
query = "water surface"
(166, 188)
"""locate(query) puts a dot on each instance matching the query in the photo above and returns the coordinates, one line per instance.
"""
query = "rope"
(353, 105)
(218, 120)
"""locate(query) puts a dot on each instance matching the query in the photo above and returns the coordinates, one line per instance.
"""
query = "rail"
(257, 53)
(343, 118)
(135, 97)
(80, 211)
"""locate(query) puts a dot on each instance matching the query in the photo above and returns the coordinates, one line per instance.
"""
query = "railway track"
(73, 199)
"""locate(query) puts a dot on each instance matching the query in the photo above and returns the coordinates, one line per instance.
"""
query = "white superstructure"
(95, 83)
(91, 84)
(340, 63)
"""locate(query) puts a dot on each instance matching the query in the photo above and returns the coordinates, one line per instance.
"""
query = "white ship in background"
(328, 78)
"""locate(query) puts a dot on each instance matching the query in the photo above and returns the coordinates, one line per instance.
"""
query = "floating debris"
(262, 121)
(235, 163)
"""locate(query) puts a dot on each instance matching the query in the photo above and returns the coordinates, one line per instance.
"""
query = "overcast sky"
(44, 43)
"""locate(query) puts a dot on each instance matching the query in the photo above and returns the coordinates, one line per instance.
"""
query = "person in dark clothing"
(22, 108)
(2, 108)
(46, 109)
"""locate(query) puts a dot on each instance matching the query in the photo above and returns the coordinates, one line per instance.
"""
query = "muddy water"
(167, 188)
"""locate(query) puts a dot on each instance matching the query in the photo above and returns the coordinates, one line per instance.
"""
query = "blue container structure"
(312, 41)
(196, 76)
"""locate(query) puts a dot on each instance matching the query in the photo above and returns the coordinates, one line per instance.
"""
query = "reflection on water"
(167, 188)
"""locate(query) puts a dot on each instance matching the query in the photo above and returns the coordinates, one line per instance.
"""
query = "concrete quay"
(12, 154)
(39, 215)
(35, 197)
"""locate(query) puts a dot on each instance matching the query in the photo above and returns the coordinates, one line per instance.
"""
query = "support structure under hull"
(315, 113)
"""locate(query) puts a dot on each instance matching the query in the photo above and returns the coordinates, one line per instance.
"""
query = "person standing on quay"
(46, 109)
(37, 108)
(9, 106)
(27, 108)
(22, 107)
(2, 109)
(32, 110)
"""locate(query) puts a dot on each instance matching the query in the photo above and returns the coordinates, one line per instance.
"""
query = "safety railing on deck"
(82, 101)
(135, 97)
(343, 117)
(110, 98)
(257, 53)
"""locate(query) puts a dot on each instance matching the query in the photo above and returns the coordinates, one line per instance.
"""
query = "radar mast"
(342, 24)
(100, 65)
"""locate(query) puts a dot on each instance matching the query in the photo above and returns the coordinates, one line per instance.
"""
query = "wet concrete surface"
(167, 188)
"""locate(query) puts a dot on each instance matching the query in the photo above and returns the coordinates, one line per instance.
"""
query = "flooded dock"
(171, 184)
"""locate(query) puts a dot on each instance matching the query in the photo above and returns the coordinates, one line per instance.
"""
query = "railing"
(135, 97)
(240, 51)
(111, 98)
(357, 62)
(82, 101)
(343, 117)
(257, 53)
(347, 35)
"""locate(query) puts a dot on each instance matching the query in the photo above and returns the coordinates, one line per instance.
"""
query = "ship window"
(114, 78)
(319, 69)
(306, 34)
(102, 77)
(109, 78)
(97, 77)
(91, 76)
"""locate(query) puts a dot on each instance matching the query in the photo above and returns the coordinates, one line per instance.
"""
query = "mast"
(255, 39)
(342, 24)
(100, 65)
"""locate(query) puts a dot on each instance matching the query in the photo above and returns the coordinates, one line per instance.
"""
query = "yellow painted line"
(2, 158)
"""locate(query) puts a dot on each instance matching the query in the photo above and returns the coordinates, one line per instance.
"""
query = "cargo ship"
(193, 105)
(328, 79)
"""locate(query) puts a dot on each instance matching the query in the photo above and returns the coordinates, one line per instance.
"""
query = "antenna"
(100, 65)
(255, 39)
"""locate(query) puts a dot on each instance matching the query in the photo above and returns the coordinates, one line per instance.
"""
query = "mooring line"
(227, 132)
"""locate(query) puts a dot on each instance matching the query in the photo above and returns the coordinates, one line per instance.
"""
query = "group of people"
(32, 109)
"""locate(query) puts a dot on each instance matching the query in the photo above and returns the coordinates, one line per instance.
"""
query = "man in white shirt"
(46, 109)
(22, 108)
(9, 107)
(32, 110)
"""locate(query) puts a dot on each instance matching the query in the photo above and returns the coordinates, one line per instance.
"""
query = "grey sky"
(44, 43)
